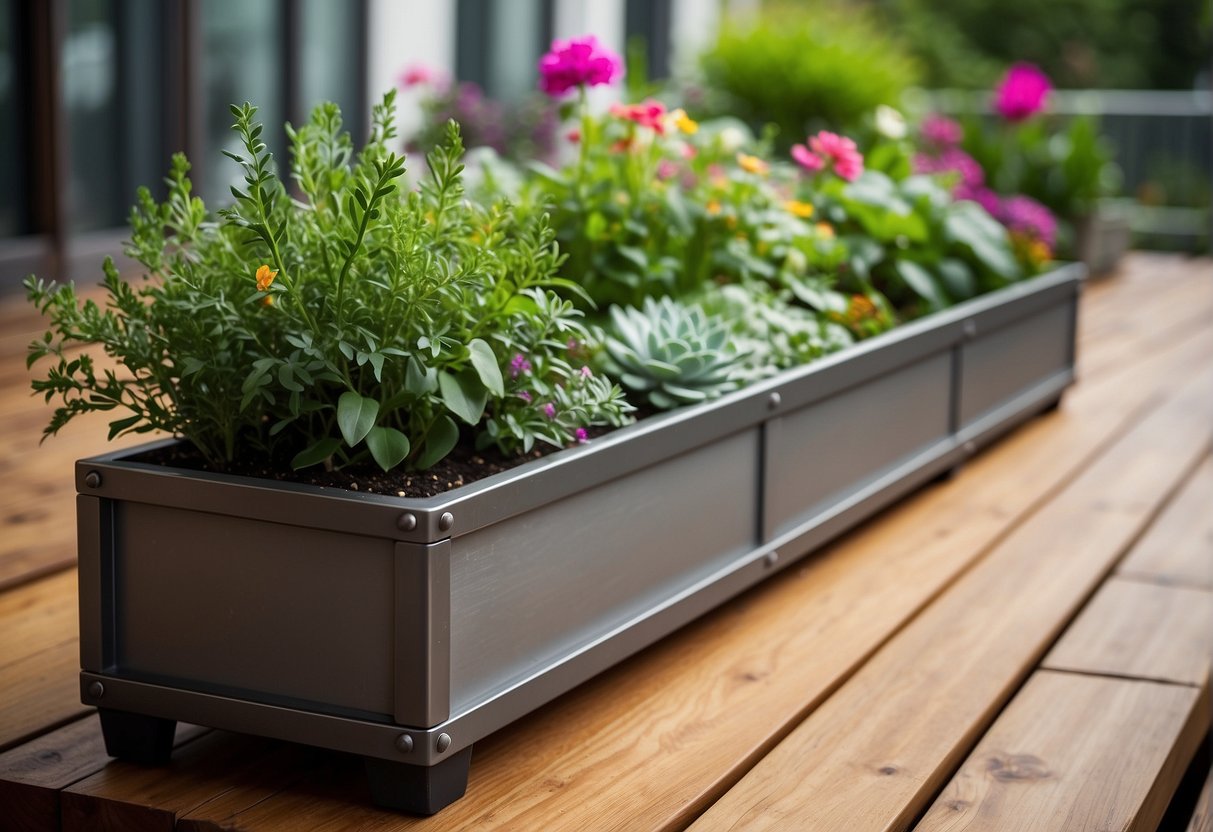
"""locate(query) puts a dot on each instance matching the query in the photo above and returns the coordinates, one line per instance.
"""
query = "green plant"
(672, 353)
(351, 323)
(804, 66)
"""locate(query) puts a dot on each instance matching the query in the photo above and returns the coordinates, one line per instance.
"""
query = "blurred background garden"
(95, 95)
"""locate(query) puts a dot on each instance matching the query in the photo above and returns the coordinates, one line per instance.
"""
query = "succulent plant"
(672, 353)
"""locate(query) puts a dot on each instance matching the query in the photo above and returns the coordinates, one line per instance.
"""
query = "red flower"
(648, 113)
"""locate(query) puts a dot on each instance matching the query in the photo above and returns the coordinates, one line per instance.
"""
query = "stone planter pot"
(404, 630)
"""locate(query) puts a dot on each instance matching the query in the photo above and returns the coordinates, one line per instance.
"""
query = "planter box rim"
(571, 470)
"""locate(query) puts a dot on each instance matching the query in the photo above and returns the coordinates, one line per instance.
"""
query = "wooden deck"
(1024, 646)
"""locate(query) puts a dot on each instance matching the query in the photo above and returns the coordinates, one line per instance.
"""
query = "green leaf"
(438, 442)
(921, 281)
(969, 225)
(317, 452)
(486, 366)
(419, 381)
(388, 446)
(119, 425)
(464, 395)
(356, 416)
(957, 278)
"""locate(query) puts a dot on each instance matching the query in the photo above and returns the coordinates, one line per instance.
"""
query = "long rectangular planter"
(405, 630)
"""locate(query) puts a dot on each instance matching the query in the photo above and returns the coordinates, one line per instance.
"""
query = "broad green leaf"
(419, 381)
(969, 225)
(438, 442)
(356, 416)
(317, 452)
(463, 395)
(486, 366)
(388, 446)
(957, 278)
(922, 282)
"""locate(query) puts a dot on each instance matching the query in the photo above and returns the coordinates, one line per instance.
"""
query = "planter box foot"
(418, 790)
(136, 738)
(1053, 405)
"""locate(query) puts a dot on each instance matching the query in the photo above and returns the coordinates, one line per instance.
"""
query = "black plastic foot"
(137, 738)
(419, 790)
(948, 474)
(1053, 405)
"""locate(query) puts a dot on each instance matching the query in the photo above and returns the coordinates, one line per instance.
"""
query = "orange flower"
(825, 229)
(265, 276)
(268, 300)
(713, 207)
(752, 164)
(804, 210)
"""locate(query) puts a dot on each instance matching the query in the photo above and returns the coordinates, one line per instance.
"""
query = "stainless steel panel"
(423, 633)
(256, 607)
(999, 365)
(819, 455)
(533, 589)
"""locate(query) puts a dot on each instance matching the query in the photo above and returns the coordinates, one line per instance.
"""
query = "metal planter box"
(404, 630)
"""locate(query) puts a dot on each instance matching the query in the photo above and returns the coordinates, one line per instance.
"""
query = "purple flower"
(1022, 92)
(519, 365)
(549, 410)
(577, 62)
(1026, 215)
(581, 435)
(952, 159)
(525, 396)
(941, 131)
(982, 195)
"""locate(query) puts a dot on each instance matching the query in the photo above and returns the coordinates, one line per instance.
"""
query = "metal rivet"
(446, 521)
(770, 559)
(406, 522)
(970, 447)
(404, 743)
(96, 690)
(92, 479)
(774, 400)
(970, 329)
(444, 742)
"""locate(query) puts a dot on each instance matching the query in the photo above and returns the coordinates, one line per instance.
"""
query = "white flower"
(732, 139)
(890, 123)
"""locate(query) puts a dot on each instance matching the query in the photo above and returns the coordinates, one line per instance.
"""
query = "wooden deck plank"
(1076, 753)
(1179, 547)
(875, 752)
(32, 775)
(731, 676)
(1142, 631)
(123, 797)
(39, 657)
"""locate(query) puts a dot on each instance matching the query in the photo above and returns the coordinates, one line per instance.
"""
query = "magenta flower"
(1027, 216)
(941, 131)
(549, 410)
(525, 395)
(1022, 92)
(807, 159)
(519, 365)
(950, 160)
(982, 195)
(581, 435)
(416, 75)
(578, 62)
(848, 161)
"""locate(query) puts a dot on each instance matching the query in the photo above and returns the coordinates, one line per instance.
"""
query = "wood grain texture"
(39, 657)
(653, 742)
(33, 774)
(1143, 631)
(1179, 547)
(876, 751)
(123, 797)
(1076, 753)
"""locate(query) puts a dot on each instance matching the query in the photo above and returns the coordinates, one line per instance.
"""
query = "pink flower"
(941, 130)
(982, 195)
(417, 75)
(574, 136)
(848, 161)
(578, 62)
(1022, 92)
(549, 410)
(519, 365)
(585, 371)
(666, 170)
(1027, 216)
(581, 435)
(952, 159)
(807, 159)
(525, 395)
(648, 113)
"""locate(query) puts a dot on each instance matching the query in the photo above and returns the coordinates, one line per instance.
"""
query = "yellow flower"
(752, 164)
(804, 210)
(683, 122)
(268, 300)
(713, 207)
(825, 229)
(265, 277)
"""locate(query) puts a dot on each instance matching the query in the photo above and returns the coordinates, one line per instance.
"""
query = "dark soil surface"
(464, 465)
